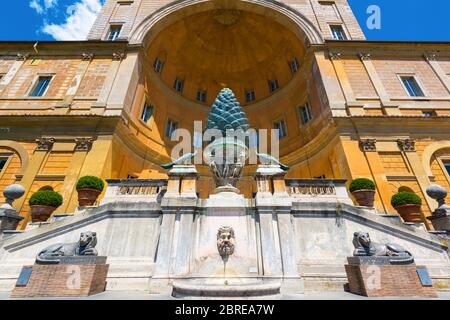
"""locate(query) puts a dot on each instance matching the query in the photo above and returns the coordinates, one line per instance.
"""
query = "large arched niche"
(295, 21)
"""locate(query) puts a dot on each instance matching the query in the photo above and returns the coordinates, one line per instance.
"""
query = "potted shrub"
(408, 206)
(43, 203)
(89, 188)
(364, 191)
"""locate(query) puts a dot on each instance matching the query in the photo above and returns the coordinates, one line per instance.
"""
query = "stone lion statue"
(83, 247)
(365, 247)
(225, 242)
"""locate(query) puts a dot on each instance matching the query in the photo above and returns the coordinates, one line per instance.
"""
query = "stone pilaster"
(43, 147)
(388, 106)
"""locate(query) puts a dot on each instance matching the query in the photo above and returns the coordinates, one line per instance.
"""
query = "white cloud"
(36, 6)
(42, 6)
(79, 20)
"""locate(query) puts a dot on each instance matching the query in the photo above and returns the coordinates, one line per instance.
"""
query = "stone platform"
(72, 277)
(385, 280)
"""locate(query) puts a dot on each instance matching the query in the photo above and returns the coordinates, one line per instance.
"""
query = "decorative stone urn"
(364, 197)
(410, 212)
(87, 197)
(441, 216)
(226, 158)
(9, 217)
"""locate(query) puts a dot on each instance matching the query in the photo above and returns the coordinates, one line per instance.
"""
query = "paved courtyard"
(313, 295)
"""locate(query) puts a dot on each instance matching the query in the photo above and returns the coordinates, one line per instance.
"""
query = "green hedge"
(46, 198)
(361, 184)
(403, 198)
(90, 182)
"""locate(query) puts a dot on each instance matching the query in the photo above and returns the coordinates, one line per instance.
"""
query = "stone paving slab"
(128, 295)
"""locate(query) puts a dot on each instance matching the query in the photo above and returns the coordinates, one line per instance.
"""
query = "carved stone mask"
(225, 241)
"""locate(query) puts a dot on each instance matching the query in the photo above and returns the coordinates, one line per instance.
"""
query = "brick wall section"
(359, 79)
(63, 69)
(5, 64)
(92, 82)
(51, 281)
(57, 163)
(445, 64)
(388, 68)
(393, 162)
(396, 281)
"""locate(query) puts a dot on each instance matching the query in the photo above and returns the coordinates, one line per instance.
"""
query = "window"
(305, 113)
(201, 95)
(158, 65)
(338, 32)
(178, 85)
(41, 86)
(281, 127)
(447, 167)
(171, 127)
(147, 112)
(273, 85)
(428, 114)
(3, 161)
(293, 64)
(412, 86)
(114, 32)
(249, 96)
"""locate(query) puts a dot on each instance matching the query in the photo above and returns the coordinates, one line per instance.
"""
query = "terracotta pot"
(87, 197)
(364, 197)
(410, 212)
(41, 213)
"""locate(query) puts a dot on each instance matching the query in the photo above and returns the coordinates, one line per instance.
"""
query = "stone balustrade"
(318, 189)
(133, 189)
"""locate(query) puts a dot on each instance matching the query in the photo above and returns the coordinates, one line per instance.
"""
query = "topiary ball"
(46, 198)
(403, 198)
(361, 184)
(90, 182)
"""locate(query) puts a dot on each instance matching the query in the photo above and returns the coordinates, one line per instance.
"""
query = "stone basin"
(241, 287)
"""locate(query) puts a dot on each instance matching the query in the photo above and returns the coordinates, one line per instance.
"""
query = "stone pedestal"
(9, 219)
(72, 277)
(182, 182)
(375, 277)
(440, 220)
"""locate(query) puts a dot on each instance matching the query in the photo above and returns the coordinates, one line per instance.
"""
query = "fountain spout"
(225, 245)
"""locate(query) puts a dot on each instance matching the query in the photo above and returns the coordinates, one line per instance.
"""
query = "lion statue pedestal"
(385, 270)
(64, 270)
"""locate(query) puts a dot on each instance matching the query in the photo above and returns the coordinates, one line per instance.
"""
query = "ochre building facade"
(106, 106)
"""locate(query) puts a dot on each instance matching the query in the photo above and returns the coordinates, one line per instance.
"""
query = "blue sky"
(71, 19)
